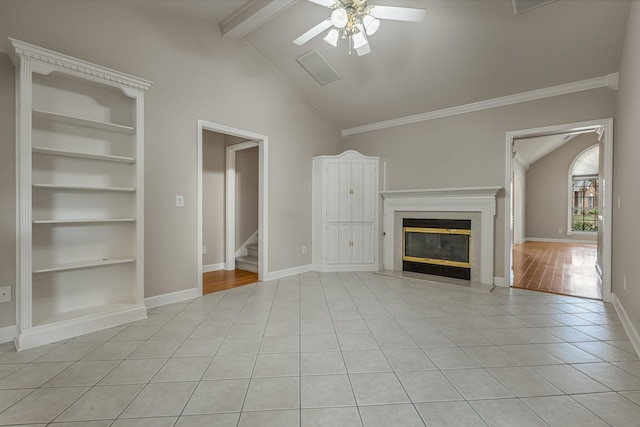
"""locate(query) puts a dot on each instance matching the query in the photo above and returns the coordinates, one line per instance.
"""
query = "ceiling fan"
(354, 20)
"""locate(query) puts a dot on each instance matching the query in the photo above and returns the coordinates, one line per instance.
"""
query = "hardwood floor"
(220, 280)
(559, 268)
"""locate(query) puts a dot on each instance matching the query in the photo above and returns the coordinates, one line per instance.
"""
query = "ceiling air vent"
(521, 6)
(318, 67)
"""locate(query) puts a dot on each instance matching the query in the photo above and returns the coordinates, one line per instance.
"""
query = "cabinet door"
(345, 242)
(369, 191)
(357, 244)
(368, 244)
(332, 244)
(332, 191)
(357, 195)
(345, 193)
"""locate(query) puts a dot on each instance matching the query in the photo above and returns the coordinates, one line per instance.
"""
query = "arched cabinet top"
(347, 155)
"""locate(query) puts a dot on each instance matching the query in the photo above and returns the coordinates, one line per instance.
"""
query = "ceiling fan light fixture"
(371, 24)
(339, 17)
(332, 37)
(359, 40)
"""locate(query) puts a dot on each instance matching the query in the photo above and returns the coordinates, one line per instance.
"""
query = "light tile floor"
(348, 349)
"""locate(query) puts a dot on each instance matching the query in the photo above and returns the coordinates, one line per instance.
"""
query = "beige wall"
(469, 150)
(626, 174)
(7, 188)
(246, 194)
(198, 74)
(547, 192)
(213, 189)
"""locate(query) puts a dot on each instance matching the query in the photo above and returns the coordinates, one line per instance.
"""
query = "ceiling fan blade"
(398, 13)
(326, 3)
(313, 32)
(361, 51)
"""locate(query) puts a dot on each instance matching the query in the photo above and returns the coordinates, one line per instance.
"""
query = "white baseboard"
(543, 239)
(7, 334)
(340, 268)
(499, 281)
(171, 297)
(631, 331)
(213, 267)
(274, 275)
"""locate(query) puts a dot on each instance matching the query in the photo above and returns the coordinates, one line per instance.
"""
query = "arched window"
(584, 188)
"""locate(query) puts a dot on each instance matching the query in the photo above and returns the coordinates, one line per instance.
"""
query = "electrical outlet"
(204, 250)
(304, 250)
(179, 201)
(5, 294)
(559, 230)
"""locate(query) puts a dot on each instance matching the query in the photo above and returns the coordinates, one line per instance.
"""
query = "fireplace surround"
(477, 204)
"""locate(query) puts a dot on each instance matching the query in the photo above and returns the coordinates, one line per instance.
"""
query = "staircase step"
(247, 263)
(252, 249)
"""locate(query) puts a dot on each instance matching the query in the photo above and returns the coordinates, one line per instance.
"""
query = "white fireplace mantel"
(470, 199)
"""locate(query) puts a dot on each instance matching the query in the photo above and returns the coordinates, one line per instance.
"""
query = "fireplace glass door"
(438, 246)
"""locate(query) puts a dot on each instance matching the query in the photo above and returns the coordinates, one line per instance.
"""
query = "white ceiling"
(530, 150)
(464, 51)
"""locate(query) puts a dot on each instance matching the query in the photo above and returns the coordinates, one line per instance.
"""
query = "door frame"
(262, 142)
(604, 128)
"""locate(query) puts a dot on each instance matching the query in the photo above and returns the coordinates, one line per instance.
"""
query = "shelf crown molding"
(49, 60)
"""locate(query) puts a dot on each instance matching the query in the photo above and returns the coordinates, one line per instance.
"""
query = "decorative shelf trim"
(82, 221)
(19, 49)
(79, 121)
(82, 264)
(75, 154)
(79, 188)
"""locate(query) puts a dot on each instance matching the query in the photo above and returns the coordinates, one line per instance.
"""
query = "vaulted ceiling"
(465, 51)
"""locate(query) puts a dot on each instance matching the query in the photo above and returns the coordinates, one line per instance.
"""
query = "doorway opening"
(249, 140)
(544, 241)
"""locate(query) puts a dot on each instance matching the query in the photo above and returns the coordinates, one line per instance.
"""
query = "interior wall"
(547, 193)
(213, 190)
(247, 181)
(468, 150)
(626, 175)
(7, 188)
(198, 74)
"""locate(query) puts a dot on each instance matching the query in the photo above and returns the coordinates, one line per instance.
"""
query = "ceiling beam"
(252, 15)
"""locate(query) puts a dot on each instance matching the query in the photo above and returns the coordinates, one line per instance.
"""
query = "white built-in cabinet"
(80, 144)
(345, 212)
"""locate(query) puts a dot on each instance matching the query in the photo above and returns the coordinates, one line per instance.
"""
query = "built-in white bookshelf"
(80, 143)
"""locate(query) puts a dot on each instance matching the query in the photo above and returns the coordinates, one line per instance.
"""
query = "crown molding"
(610, 81)
(45, 61)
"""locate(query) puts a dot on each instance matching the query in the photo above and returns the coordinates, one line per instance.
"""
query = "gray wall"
(7, 188)
(213, 189)
(547, 192)
(198, 74)
(469, 150)
(246, 194)
(626, 174)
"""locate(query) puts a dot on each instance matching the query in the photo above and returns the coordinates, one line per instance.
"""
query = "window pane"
(585, 203)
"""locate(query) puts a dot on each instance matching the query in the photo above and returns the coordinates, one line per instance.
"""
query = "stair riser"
(247, 267)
